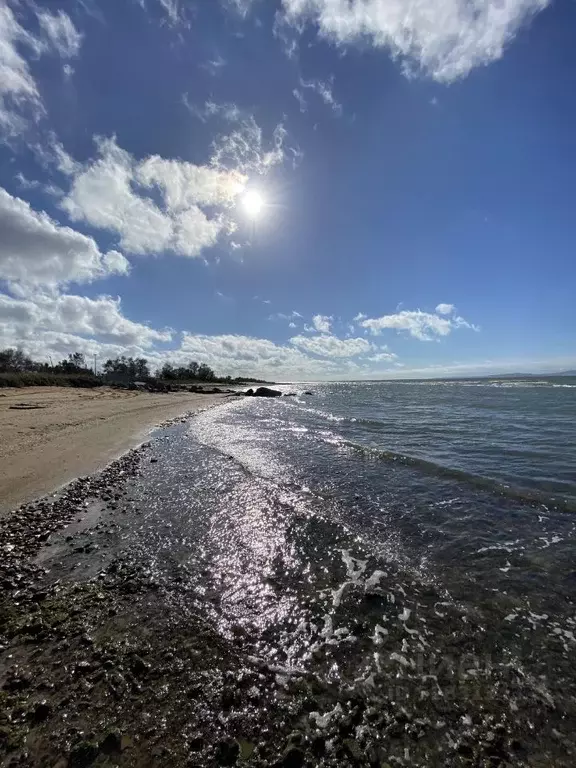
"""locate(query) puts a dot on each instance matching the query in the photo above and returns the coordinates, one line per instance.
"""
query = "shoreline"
(147, 619)
(53, 435)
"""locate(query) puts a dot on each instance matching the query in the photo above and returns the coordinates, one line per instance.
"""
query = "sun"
(253, 203)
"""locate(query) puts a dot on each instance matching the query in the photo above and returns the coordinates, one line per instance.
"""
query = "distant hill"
(547, 375)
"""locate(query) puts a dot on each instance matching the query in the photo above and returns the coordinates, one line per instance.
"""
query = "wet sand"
(50, 435)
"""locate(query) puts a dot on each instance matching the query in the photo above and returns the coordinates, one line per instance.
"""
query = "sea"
(411, 542)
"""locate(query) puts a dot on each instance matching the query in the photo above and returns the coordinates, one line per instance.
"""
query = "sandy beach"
(50, 435)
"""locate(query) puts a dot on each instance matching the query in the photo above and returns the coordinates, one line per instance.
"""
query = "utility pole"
(95, 367)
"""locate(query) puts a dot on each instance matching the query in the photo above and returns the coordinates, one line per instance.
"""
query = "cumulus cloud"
(322, 323)
(332, 346)
(240, 355)
(36, 250)
(383, 356)
(113, 192)
(445, 309)
(25, 319)
(185, 184)
(52, 325)
(424, 326)
(444, 38)
(19, 96)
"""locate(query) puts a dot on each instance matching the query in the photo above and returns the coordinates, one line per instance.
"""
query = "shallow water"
(409, 545)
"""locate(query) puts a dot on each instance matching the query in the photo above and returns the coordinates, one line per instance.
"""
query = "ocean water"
(409, 544)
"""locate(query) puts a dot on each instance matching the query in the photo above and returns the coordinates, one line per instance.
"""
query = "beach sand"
(50, 435)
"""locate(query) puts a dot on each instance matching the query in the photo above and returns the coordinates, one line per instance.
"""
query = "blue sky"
(415, 162)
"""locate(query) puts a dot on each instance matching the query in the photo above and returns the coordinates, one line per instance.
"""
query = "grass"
(32, 379)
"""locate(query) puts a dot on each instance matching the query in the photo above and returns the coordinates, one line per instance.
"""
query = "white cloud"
(172, 9)
(445, 309)
(322, 323)
(445, 38)
(214, 66)
(227, 111)
(60, 33)
(381, 357)
(116, 192)
(245, 355)
(284, 315)
(324, 90)
(18, 89)
(185, 184)
(421, 325)
(299, 96)
(243, 147)
(332, 346)
(36, 250)
(112, 193)
(19, 96)
(244, 150)
(27, 319)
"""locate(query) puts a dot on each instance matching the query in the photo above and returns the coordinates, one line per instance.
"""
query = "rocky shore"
(107, 661)
(95, 671)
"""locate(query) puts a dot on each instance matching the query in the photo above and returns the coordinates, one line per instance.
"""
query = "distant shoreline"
(51, 435)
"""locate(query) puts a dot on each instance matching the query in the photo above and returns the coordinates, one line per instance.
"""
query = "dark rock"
(34, 628)
(17, 683)
(319, 747)
(465, 750)
(227, 753)
(353, 749)
(112, 743)
(138, 666)
(83, 755)
(196, 743)
(292, 758)
(227, 701)
(267, 392)
(42, 711)
(153, 460)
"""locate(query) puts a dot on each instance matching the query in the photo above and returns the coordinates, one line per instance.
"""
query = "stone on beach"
(263, 392)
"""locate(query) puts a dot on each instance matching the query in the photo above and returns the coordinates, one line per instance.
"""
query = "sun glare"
(253, 203)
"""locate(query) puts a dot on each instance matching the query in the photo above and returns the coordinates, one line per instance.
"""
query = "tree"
(205, 373)
(14, 360)
(167, 372)
(75, 363)
(141, 369)
(126, 369)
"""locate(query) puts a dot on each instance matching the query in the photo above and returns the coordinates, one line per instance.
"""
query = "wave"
(439, 470)
(500, 383)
